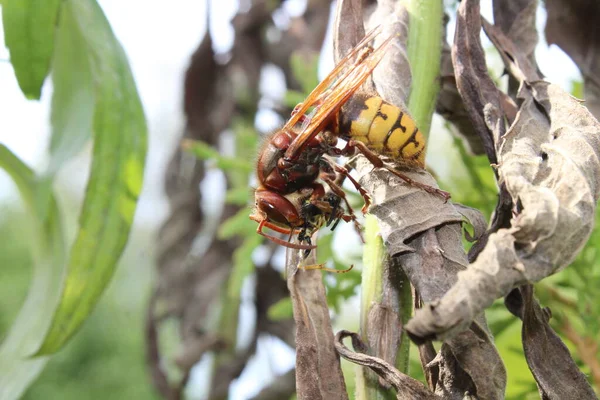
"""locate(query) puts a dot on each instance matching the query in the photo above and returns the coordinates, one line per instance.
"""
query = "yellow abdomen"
(384, 128)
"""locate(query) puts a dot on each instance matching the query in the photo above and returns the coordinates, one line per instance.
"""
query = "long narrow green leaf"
(73, 95)
(29, 27)
(17, 369)
(119, 131)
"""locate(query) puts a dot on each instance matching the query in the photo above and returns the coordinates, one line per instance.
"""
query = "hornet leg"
(378, 163)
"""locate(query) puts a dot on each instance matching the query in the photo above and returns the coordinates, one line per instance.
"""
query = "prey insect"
(295, 164)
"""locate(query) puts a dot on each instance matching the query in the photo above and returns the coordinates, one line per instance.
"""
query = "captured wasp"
(295, 162)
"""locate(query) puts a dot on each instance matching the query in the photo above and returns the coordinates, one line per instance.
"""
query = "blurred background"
(107, 357)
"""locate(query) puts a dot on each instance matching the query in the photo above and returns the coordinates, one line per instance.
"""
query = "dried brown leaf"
(515, 60)
(574, 25)
(406, 387)
(469, 362)
(349, 27)
(549, 360)
(549, 162)
(475, 218)
(403, 210)
(318, 371)
(383, 329)
(450, 105)
(392, 77)
(480, 96)
(516, 19)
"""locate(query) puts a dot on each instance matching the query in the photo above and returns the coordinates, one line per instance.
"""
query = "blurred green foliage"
(106, 359)
(94, 97)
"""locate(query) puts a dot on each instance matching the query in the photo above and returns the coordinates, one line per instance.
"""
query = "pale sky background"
(159, 38)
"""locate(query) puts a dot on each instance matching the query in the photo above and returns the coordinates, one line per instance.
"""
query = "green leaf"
(292, 98)
(577, 88)
(29, 34)
(119, 131)
(324, 244)
(73, 97)
(305, 67)
(239, 196)
(205, 151)
(239, 224)
(281, 310)
(242, 265)
(17, 369)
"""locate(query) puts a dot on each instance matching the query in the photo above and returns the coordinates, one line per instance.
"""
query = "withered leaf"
(475, 218)
(480, 96)
(318, 371)
(383, 330)
(407, 388)
(549, 360)
(549, 162)
(404, 210)
(470, 361)
(450, 105)
(515, 60)
(573, 26)
(392, 77)
(516, 19)
(349, 26)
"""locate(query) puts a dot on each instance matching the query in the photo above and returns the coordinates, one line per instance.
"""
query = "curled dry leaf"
(392, 78)
(516, 19)
(480, 96)
(549, 163)
(549, 360)
(406, 387)
(404, 210)
(573, 26)
(450, 105)
(469, 362)
(475, 219)
(318, 371)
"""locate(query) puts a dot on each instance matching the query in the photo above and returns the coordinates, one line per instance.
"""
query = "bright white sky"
(159, 40)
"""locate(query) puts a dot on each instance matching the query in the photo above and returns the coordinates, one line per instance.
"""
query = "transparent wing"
(335, 90)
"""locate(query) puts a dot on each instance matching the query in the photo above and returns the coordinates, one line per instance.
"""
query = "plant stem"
(405, 302)
(383, 280)
(424, 54)
(373, 275)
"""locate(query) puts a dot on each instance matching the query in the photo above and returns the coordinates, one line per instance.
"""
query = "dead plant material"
(318, 371)
(549, 360)
(450, 105)
(549, 164)
(423, 234)
(573, 26)
(407, 388)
